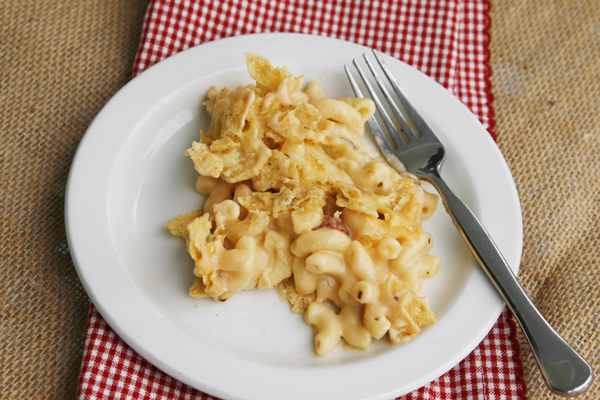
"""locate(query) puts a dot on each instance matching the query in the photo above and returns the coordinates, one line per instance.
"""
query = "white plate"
(129, 177)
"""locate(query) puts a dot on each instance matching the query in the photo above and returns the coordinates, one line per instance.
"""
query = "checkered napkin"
(447, 40)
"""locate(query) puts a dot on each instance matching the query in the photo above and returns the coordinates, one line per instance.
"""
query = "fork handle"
(565, 372)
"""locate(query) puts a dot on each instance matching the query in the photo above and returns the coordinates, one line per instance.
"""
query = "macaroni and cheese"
(294, 202)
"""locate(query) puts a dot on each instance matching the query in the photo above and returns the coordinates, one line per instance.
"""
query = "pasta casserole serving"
(294, 202)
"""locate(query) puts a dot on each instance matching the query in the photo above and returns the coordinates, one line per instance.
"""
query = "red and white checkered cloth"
(448, 40)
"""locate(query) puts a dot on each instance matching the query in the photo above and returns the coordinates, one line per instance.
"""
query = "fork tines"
(408, 118)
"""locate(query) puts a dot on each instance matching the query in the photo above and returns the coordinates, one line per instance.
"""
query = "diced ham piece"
(331, 222)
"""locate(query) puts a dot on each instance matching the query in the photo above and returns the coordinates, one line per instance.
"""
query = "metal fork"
(565, 372)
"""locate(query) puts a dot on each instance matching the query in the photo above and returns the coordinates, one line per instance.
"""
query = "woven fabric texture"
(546, 62)
(446, 40)
(60, 61)
(111, 369)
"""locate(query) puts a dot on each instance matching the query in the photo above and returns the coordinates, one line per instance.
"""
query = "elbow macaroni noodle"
(294, 202)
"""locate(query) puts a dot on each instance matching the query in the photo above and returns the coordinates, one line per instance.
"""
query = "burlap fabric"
(60, 61)
(546, 61)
